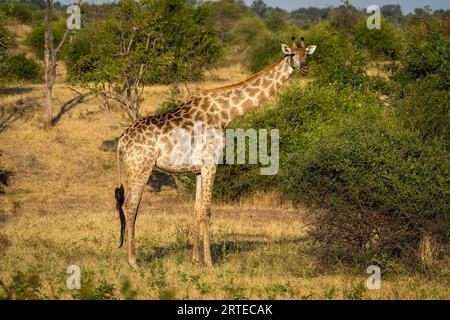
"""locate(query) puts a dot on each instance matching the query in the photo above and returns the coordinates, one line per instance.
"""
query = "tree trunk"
(48, 63)
(48, 107)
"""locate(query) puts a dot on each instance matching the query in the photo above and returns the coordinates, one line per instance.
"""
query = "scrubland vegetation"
(364, 155)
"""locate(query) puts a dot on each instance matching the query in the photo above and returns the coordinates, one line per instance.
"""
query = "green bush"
(424, 107)
(23, 12)
(19, 68)
(5, 41)
(182, 44)
(336, 59)
(378, 189)
(345, 18)
(23, 286)
(35, 38)
(422, 82)
(263, 54)
(381, 43)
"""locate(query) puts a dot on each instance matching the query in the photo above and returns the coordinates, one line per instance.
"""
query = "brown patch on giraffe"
(252, 91)
(234, 112)
(247, 105)
(210, 119)
(224, 114)
(266, 83)
(187, 125)
(258, 82)
(177, 120)
(237, 98)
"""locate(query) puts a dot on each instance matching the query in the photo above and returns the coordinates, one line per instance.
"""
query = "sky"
(407, 5)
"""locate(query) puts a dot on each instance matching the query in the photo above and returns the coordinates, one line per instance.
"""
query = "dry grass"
(58, 210)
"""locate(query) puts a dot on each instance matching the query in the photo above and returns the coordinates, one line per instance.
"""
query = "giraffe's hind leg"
(133, 194)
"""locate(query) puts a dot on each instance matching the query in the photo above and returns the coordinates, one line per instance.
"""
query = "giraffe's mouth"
(304, 69)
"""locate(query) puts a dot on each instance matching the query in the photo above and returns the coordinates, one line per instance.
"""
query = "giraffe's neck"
(242, 99)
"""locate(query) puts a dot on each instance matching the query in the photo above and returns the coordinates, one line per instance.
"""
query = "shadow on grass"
(15, 90)
(69, 105)
(219, 250)
(12, 112)
(5, 175)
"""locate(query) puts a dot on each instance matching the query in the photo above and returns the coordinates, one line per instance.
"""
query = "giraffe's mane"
(247, 81)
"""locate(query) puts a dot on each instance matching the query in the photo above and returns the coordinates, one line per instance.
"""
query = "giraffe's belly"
(189, 154)
(173, 168)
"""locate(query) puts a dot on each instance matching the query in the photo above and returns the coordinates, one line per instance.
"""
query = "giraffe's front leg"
(198, 220)
(206, 242)
(208, 174)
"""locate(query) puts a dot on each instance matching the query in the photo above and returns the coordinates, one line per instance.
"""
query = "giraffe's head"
(298, 54)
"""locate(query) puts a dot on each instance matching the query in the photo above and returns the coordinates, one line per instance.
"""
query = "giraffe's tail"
(120, 198)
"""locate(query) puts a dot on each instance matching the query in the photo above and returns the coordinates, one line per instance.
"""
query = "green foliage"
(181, 44)
(336, 59)
(35, 38)
(276, 20)
(381, 43)
(345, 18)
(305, 17)
(223, 15)
(421, 92)
(427, 52)
(18, 68)
(90, 290)
(23, 12)
(23, 286)
(263, 54)
(5, 42)
(382, 188)
(424, 107)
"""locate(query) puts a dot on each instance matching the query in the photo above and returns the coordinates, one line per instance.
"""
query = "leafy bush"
(336, 59)
(381, 43)
(379, 191)
(23, 286)
(345, 17)
(424, 107)
(422, 83)
(182, 44)
(35, 38)
(427, 52)
(263, 54)
(19, 67)
(23, 12)
(5, 37)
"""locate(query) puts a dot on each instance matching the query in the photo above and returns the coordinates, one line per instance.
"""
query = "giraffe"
(155, 142)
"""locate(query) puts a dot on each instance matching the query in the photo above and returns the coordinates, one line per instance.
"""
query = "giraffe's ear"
(286, 50)
(310, 49)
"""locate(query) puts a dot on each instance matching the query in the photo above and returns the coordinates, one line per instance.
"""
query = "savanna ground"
(58, 209)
